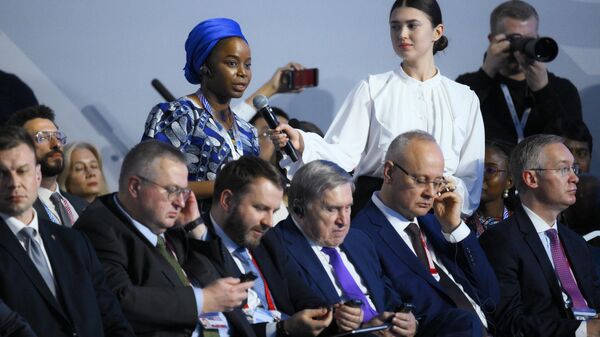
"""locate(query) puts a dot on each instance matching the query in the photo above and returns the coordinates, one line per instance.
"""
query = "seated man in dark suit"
(434, 261)
(545, 270)
(145, 263)
(339, 263)
(52, 204)
(49, 274)
(247, 193)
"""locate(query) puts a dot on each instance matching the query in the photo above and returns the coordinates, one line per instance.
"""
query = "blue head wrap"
(201, 41)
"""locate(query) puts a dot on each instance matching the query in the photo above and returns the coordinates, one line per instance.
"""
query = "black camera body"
(543, 49)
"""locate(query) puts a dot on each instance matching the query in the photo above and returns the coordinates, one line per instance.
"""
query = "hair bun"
(440, 44)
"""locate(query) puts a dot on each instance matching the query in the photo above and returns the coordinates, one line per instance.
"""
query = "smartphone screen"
(297, 79)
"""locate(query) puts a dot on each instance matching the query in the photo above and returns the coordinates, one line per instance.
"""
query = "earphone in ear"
(298, 207)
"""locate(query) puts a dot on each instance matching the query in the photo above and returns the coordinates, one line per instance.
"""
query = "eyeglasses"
(437, 182)
(173, 192)
(564, 171)
(45, 136)
(491, 171)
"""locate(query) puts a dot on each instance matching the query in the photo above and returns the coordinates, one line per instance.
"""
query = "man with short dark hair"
(518, 96)
(53, 204)
(578, 140)
(548, 282)
(49, 274)
(139, 236)
(247, 193)
(433, 260)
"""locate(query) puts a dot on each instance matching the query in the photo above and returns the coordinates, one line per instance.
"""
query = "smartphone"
(249, 276)
(354, 303)
(405, 307)
(298, 79)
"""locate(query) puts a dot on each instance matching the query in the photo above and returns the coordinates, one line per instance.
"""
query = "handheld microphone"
(261, 103)
(166, 94)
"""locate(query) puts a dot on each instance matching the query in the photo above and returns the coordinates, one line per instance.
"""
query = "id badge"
(584, 314)
(214, 324)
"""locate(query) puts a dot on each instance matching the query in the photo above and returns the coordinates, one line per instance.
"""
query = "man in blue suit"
(49, 274)
(434, 261)
(338, 263)
(546, 272)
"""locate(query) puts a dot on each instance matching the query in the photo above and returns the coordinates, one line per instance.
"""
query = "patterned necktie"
(449, 286)
(561, 266)
(65, 213)
(259, 284)
(349, 287)
(36, 255)
(166, 253)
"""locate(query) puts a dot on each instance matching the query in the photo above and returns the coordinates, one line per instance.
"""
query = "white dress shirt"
(541, 227)
(385, 105)
(16, 225)
(400, 223)
(44, 195)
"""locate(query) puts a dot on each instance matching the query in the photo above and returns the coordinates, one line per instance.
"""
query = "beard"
(241, 232)
(51, 169)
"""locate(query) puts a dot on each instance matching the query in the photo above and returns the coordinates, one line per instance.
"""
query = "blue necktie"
(259, 285)
(37, 256)
(349, 287)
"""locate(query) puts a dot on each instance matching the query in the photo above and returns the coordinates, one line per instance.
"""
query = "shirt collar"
(229, 244)
(540, 225)
(396, 219)
(146, 232)
(409, 80)
(16, 225)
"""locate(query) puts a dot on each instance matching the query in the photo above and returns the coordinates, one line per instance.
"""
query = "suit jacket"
(465, 260)
(151, 294)
(531, 302)
(78, 203)
(288, 290)
(84, 305)
(12, 324)
(361, 253)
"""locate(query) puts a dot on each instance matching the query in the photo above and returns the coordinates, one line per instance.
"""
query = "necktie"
(349, 287)
(259, 284)
(166, 253)
(449, 286)
(36, 255)
(561, 266)
(65, 213)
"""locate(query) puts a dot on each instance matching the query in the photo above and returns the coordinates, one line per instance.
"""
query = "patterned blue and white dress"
(191, 128)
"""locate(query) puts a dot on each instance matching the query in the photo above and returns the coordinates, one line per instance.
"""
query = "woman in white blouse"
(413, 96)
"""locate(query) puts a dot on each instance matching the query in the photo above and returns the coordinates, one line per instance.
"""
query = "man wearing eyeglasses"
(139, 234)
(433, 260)
(548, 284)
(52, 204)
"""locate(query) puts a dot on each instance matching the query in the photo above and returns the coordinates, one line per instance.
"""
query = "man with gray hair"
(338, 263)
(433, 260)
(548, 284)
(140, 236)
(519, 97)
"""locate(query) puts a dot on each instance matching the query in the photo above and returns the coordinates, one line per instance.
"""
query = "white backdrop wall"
(92, 61)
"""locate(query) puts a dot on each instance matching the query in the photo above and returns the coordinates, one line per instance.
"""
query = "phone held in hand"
(298, 79)
(249, 276)
(405, 308)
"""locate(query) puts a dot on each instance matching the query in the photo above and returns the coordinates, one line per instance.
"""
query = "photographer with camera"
(518, 96)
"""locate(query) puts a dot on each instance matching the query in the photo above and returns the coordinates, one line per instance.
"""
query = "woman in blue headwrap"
(202, 124)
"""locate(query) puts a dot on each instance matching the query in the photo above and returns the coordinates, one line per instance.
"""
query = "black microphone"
(261, 103)
(166, 94)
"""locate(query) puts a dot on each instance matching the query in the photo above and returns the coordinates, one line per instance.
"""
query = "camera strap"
(519, 124)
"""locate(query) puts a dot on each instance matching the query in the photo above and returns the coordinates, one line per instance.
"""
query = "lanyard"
(519, 124)
(270, 303)
(432, 268)
(232, 136)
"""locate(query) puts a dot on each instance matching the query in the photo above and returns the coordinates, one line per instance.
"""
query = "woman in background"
(413, 96)
(83, 175)
(496, 189)
(202, 124)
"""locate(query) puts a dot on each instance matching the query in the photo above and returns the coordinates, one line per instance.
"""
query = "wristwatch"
(193, 224)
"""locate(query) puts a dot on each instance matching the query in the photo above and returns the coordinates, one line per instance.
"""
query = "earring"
(505, 194)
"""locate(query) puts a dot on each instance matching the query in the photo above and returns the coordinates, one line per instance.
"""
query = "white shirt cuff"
(199, 296)
(460, 233)
(582, 330)
(271, 329)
